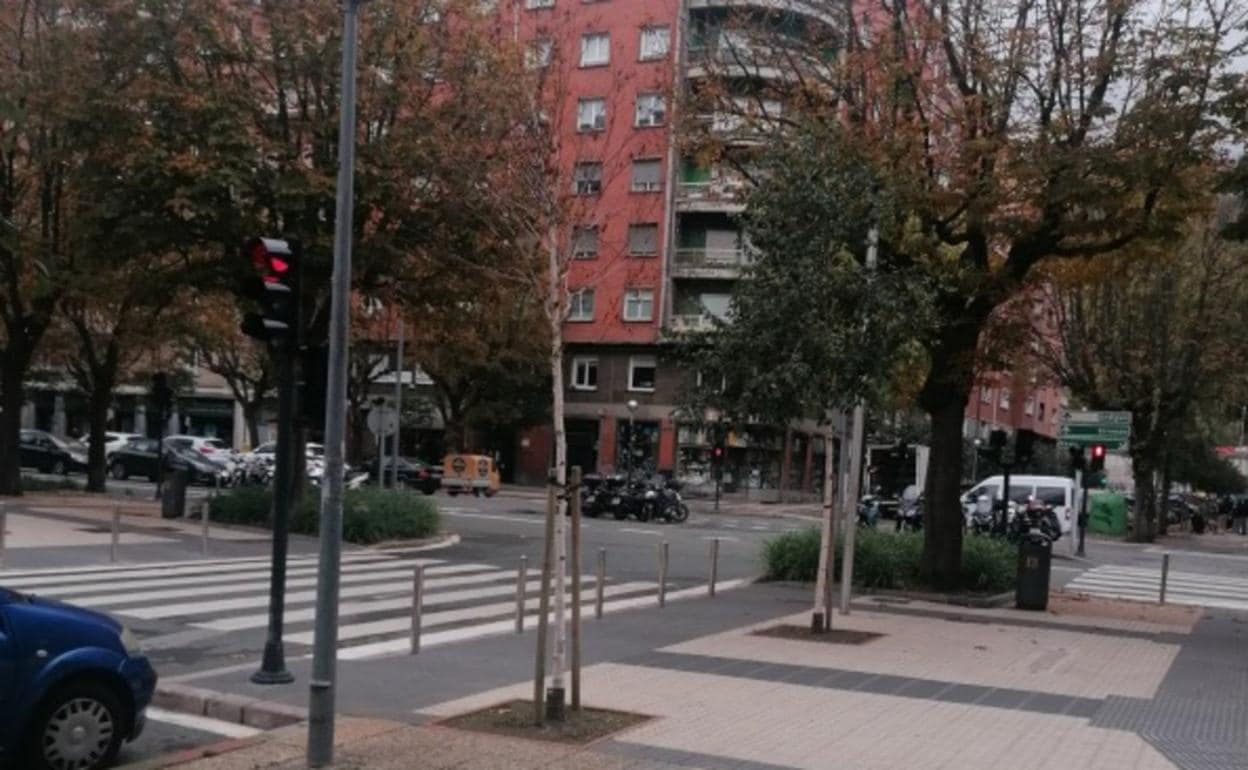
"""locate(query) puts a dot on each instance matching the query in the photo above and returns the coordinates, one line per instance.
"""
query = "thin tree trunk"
(555, 303)
(251, 416)
(943, 521)
(100, 400)
(12, 399)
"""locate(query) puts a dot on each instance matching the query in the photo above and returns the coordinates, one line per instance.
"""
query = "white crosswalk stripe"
(1144, 584)
(197, 600)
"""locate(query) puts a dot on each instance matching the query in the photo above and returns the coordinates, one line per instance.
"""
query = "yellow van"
(474, 474)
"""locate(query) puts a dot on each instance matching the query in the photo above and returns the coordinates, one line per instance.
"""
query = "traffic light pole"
(273, 664)
(325, 640)
(1081, 482)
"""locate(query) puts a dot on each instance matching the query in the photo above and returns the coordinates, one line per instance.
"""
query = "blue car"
(73, 685)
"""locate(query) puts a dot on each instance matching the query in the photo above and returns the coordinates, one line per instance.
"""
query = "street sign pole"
(320, 750)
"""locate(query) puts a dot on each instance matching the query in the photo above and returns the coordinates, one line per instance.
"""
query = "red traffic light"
(1098, 451)
(271, 257)
(718, 452)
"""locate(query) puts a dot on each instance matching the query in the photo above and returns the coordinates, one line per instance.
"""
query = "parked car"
(51, 454)
(412, 473)
(115, 441)
(139, 458)
(214, 449)
(74, 685)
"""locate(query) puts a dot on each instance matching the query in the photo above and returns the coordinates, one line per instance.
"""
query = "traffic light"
(274, 286)
(1077, 461)
(1098, 459)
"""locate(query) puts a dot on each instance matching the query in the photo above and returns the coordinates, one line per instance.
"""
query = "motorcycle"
(910, 511)
(868, 512)
(671, 506)
(1040, 515)
(982, 520)
(593, 496)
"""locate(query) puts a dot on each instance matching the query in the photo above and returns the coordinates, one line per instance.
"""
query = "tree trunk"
(251, 416)
(97, 464)
(1145, 501)
(12, 399)
(941, 564)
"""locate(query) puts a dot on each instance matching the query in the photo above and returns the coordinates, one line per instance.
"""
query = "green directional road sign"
(1113, 429)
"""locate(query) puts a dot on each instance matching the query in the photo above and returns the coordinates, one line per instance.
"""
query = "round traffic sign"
(382, 420)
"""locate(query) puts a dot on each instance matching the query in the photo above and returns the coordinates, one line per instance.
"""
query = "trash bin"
(1035, 557)
(173, 501)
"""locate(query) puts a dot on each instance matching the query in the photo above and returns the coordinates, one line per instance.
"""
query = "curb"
(445, 541)
(238, 709)
(186, 756)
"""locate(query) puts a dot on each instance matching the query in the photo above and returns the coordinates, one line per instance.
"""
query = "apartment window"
(650, 110)
(985, 394)
(639, 305)
(581, 305)
(587, 178)
(591, 115)
(539, 53)
(641, 373)
(1005, 399)
(643, 241)
(655, 42)
(647, 175)
(595, 49)
(1029, 406)
(585, 242)
(1042, 405)
(531, 4)
(585, 373)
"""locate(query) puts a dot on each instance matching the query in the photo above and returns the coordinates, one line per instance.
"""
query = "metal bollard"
(4, 522)
(521, 578)
(1165, 575)
(598, 584)
(714, 565)
(203, 515)
(663, 574)
(116, 533)
(418, 600)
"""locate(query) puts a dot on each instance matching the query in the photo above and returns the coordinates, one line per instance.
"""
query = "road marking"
(640, 531)
(759, 527)
(728, 538)
(1187, 588)
(163, 570)
(203, 724)
(541, 520)
(1197, 554)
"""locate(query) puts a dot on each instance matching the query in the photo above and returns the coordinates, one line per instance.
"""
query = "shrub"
(31, 484)
(369, 515)
(887, 560)
(988, 564)
(792, 556)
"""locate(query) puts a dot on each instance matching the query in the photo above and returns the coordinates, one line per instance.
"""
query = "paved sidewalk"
(1091, 685)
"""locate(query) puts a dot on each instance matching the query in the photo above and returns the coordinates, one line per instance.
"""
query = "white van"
(1057, 491)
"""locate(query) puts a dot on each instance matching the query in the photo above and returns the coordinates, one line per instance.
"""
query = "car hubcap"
(78, 735)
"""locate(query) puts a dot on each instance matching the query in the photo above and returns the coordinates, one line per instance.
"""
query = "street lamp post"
(632, 435)
(975, 460)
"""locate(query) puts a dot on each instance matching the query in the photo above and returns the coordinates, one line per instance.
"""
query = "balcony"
(703, 262)
(701, 322)
(725, 193)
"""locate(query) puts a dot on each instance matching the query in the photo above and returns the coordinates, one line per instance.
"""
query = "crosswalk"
(461, 601)
(1144, 584)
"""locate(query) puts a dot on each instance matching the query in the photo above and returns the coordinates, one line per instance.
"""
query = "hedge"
(369, 515)
(890, 560)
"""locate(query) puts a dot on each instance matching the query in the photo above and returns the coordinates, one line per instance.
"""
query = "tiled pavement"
(942, 689)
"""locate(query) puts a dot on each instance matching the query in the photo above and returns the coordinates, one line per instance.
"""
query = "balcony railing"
(728, 189)
(712, 257)
(701, 322)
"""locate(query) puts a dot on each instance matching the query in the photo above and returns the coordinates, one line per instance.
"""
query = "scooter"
(671, 506)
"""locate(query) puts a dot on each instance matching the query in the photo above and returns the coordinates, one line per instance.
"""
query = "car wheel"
(118, 471)
(58, 468)
(77, 727)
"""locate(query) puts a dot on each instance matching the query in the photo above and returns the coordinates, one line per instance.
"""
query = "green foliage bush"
(890, 560)
(369, 515)
(32, 484)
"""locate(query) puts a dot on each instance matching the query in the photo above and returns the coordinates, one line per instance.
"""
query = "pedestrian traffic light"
(1098, 459)
(718, 453)
(273, 284)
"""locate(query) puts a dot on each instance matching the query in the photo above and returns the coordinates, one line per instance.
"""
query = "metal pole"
(381, 457)
(663, 574)
(115, 534)
(325, 642)
(821, 616)
(205, 510)
(855, 463)
(574, 499)
(543, 609)
(598, 584)
(4, 523)
(418, 603)
(273, 664)
(714, 565)
(1165, 576)
(521, 578)
(398, 406)
(1082, 520)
